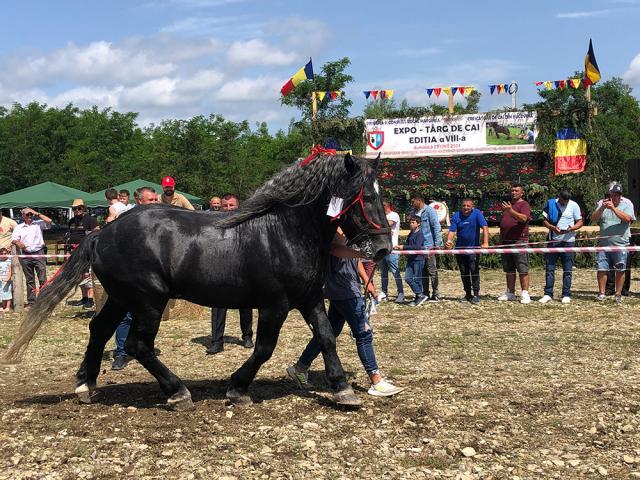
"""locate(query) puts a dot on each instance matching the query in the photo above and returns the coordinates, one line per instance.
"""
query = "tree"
(613, 135)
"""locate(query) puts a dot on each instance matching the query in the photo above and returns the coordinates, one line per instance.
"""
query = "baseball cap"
(615, 188)
(168, 182)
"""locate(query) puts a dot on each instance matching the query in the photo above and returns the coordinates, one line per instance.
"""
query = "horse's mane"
(298, 185)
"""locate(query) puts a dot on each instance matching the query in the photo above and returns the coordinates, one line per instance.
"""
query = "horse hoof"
(84, 394)
(347, 398)
(181, 402)
(239, 399)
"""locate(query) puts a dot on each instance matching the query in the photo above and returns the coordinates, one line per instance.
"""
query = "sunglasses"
(78, 208)
(28, 214)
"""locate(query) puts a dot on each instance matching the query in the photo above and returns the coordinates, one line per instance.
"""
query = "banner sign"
(504, 132)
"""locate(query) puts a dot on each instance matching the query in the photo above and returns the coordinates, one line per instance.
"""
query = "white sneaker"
(507, 297)
(384, 389)
(525, 298)
(547, 299)
(601, 297)
(382, 297)
(566, 300)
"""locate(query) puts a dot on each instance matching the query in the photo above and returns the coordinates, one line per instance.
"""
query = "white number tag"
(335, 206)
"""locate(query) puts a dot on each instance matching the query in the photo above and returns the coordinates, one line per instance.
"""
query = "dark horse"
(271, 254)
(498, 129)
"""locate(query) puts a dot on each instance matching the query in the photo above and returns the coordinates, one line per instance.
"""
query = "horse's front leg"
(316, 318)
(140, 345)
(270, 322)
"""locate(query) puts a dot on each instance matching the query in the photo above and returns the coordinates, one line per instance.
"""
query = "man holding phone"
(614, 217)
(562, 217)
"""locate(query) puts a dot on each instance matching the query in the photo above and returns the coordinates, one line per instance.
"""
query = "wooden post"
(18, 282)
(450, 101)
(314, 109)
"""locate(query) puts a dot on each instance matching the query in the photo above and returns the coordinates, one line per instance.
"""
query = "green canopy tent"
(98, 199)
(43, 195)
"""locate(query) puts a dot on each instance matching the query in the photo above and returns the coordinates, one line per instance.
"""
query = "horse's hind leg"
(270, 322)
(140, 345)
(101, 329)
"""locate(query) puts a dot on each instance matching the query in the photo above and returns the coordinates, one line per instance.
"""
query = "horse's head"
(364, 221)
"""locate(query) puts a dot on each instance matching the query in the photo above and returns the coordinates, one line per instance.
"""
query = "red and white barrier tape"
(62, 255)
(473, 251)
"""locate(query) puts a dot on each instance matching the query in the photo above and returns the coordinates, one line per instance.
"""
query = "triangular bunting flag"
(366, 94)
(446, 90)
(538, 84)
(461, 90)
(389, 94)
(574, 82)
(321, 95)
(499, 88)
(383, 94)
(547, 85)
(454, 90)
(556, 84)
(468, 90)
(374, 94)
(429, 91)
(437, 91)
(492, 88)
(563, 84)
(334, 95)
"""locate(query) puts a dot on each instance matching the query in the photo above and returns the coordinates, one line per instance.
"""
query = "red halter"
(359, 200)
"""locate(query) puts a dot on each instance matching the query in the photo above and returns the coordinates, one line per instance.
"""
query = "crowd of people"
(469, 228)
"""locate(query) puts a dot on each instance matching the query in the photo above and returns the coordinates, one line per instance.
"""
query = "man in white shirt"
(562, 217)
(390, 262)
(27, 236)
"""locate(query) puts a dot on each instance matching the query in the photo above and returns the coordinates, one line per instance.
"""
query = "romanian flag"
(591, 70)
(571, 152)
(305, 73)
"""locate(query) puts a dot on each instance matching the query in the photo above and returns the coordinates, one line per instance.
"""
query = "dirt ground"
(495, 391)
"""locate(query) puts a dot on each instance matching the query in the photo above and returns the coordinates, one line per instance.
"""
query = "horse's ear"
(375, 162)
(350, 163)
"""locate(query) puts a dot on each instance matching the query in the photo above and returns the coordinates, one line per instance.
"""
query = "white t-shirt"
(395, 229)
(623, 200)
(569, 215)
(30, 235)
(119, 208)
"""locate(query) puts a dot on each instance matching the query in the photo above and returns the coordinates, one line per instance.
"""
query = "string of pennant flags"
(562, 84)
(328, 94)
(499, 88)
(450, 90)
(388, 94)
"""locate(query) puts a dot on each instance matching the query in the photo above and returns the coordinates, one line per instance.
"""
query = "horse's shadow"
(148, 395)
(205, 340)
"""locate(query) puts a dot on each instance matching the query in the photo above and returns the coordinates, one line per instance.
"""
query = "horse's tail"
(50, 295)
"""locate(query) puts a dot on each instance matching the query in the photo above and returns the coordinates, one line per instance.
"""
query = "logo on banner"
(376, 139)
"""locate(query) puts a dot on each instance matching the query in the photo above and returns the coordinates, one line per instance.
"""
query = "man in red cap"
(172, 197)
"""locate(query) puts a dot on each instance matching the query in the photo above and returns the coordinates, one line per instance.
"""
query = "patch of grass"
(471, 333)
(397, 371)
(455, 339)
(388, 329)
(5, 340)
(510, 355)
(55, 341)
(457, 355)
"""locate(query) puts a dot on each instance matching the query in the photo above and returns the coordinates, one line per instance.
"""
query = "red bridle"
(359, 200)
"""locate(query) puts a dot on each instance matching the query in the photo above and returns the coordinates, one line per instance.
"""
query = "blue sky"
(179, 58)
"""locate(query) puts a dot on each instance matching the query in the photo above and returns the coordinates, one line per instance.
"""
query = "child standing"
(5, 281)
(415, 263)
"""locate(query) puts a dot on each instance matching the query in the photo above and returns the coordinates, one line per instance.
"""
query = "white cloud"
(249, 89)
(307, 36)
(418, 52)
(88, 97)
(257, 52)
(199, 25)
(632, 75)
(583, 14)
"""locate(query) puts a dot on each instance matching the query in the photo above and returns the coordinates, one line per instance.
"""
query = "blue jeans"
(390, 263)
(567, 266)
(121, 334)
(352, 311)
(611, 261)
(413, 275)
